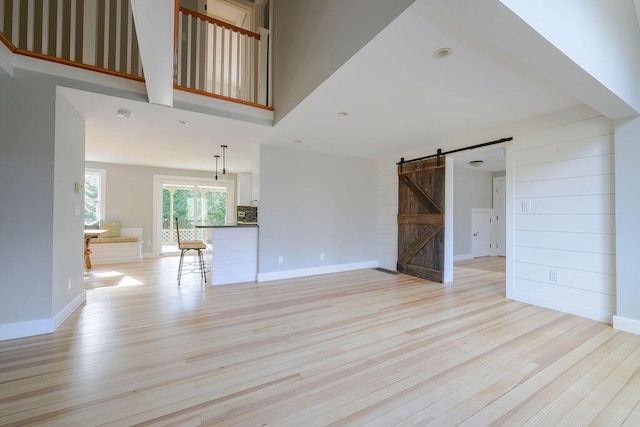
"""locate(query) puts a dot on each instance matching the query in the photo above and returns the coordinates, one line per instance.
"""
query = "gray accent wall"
(315, 203)
(312, 39)
(27, 145)
(129, 197)
(471, 189)
(627, 210)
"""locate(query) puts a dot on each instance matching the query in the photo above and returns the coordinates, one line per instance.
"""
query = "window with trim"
(94, 195)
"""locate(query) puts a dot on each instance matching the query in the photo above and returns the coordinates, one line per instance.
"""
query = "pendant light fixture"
(224, 159)
(216, 157)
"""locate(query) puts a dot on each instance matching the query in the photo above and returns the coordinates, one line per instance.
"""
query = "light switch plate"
(526, 206)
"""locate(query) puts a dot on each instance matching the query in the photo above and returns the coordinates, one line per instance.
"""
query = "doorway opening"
(193, 202)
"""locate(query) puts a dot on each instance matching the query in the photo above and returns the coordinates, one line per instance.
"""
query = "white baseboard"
(627, 325)
(6, 59)
(336, 268)
(562, 306)
(64, 314)
(462, 257)
(30, 328)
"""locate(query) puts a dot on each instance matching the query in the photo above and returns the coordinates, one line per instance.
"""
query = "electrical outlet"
(553, 276)
(321, 255)
(280, 259)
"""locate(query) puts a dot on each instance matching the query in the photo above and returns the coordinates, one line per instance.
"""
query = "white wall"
(472, 189)
(566, 174)
(602, 37)
(130, 194)
(68, 208)
(387, 218)
(27, 143)
(314, 203)
(312, 39)
(628, 225)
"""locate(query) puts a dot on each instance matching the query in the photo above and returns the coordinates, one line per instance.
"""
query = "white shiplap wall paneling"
(564, 223)
(583, 185)
(558, 135)
(588, 147)
(571, 205)
(585, 280)
(599, 224)
(578, 242)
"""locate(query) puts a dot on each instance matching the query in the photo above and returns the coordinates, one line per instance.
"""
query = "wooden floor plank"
(354, 348)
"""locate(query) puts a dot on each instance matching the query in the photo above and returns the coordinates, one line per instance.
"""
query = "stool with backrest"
(190, 245)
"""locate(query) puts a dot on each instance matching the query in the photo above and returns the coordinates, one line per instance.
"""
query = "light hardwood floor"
(356, 348)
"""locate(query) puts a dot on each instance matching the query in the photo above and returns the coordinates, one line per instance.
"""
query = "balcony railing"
(213, 58)
(98, 35)
(220, 59)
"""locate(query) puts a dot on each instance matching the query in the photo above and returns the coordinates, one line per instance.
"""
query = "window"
(94, 195)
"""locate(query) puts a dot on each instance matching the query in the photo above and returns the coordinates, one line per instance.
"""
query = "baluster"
(214, 65)
(180, 48)
(90, 33)
(190, 19)
(59, 20)
(15, 23)
(105, 44)
(222, 31)
(129, 38)
(73, 28)
(238, 42)
(30, 24)
(252, 70)
(230, 64)
(197, 64)
(245, 71)
(45, 27)
(206, 57)
(118, 31)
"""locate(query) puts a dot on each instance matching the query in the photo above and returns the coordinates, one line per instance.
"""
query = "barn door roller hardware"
(440, 153)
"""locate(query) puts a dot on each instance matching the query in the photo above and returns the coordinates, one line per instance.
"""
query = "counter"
(234, 252)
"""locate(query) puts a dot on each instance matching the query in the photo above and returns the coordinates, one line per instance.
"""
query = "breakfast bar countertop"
(239, 224)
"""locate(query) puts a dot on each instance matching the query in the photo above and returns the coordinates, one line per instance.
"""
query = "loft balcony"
(176, 52)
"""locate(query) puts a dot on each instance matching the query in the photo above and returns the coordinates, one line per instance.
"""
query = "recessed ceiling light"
(476, 163)
(342, 114)
(443, 53)
(297, 141)
(183, 122)
(123, 114)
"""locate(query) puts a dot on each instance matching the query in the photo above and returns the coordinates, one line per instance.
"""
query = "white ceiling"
(398, 98)
(492, 156)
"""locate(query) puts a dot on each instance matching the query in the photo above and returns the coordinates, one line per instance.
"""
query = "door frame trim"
(158, 180)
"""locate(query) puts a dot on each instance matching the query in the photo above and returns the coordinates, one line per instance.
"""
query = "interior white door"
(500, 212)
(481, 232)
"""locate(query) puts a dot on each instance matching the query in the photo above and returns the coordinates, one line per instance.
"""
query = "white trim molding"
(563, 306)
(462, 257)
(64, 314)
(303, 272)
(6, 60)
(627, 325)
(30, 328)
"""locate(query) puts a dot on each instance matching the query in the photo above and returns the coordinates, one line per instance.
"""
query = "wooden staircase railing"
(219, 59)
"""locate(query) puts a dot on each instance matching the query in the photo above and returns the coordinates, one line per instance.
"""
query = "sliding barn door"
(421, 219)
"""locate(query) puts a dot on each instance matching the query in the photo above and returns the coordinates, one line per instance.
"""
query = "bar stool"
(190, 245)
